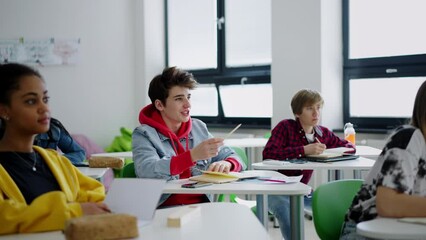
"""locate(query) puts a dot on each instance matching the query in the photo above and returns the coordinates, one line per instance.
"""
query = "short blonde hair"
(303, 98)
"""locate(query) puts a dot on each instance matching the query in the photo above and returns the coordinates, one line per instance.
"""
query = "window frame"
(224, 75)
(379, 67)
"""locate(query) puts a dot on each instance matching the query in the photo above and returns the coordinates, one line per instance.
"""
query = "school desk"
(391, 228)
(360, 163)
(226, 221)
(296, 191)
(103, 175)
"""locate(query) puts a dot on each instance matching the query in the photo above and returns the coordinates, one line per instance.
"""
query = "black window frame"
(379, 67)
(224, 75)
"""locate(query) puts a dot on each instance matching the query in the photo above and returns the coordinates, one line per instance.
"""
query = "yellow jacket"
(49, 211)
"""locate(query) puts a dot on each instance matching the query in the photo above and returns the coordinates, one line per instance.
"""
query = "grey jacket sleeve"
(150, 154)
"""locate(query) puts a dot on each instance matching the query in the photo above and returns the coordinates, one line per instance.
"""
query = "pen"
(233, 130)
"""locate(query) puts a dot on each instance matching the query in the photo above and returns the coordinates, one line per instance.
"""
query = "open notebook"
(217, 177)
(333, 154)
(135, 196)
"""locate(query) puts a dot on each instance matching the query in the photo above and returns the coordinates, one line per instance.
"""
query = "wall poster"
(49, 51)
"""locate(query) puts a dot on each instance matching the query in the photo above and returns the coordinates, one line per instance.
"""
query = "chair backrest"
(267, 135)
(330, 202)
(128, 170)
(89, 146)
(242, 154)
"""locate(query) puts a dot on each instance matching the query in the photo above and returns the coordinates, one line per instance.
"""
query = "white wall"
(122, 49)
(103, 91)
(307, 53)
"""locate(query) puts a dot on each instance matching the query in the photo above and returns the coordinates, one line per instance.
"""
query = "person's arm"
(71, 149)
(226, 160)
(399, 188)
(47, 212)
(278, 146)
(153, 159)
(51, 210)
(393, 204)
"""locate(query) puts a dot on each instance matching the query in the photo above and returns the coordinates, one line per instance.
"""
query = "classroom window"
(227, 46)
(384, 61)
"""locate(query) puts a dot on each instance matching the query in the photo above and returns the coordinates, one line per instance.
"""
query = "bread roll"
(102, 162)
(103, 226)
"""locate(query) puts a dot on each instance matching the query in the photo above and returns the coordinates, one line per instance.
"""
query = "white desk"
(296, 191)
(368, 152)
(103, 175)
(218, 221)
(390, 228)
(246, 142)
(360, 163)
(96, 173)
(228, 221)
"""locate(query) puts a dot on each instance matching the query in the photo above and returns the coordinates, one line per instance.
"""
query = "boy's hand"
(207, 149)
(220, 166)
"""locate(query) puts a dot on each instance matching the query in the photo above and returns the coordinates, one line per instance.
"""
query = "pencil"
(318, 140)
(233, 130)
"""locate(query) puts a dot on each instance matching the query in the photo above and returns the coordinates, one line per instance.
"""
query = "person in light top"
(169, 144)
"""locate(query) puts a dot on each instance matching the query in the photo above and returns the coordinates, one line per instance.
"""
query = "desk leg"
(357, 174)
(262, 209)
(250, 155)
(296, 217)
(335, 175)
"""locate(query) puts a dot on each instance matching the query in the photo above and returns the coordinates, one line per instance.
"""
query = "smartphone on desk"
(196, 185)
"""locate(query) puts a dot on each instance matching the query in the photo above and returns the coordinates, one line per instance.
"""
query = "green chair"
(128, 170)
(330, 202)
(267, 135)
(233, 197)
(242, 154)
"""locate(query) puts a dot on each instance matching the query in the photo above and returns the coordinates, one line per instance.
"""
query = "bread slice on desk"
(103, 162)
(102, 226)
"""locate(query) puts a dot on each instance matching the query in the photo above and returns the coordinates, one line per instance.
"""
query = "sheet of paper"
(275, 162)
(135, 196)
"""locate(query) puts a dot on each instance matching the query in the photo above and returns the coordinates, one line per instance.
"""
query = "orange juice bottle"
(349, 132)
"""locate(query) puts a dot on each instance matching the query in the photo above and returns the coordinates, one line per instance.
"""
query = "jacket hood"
(150, 116)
